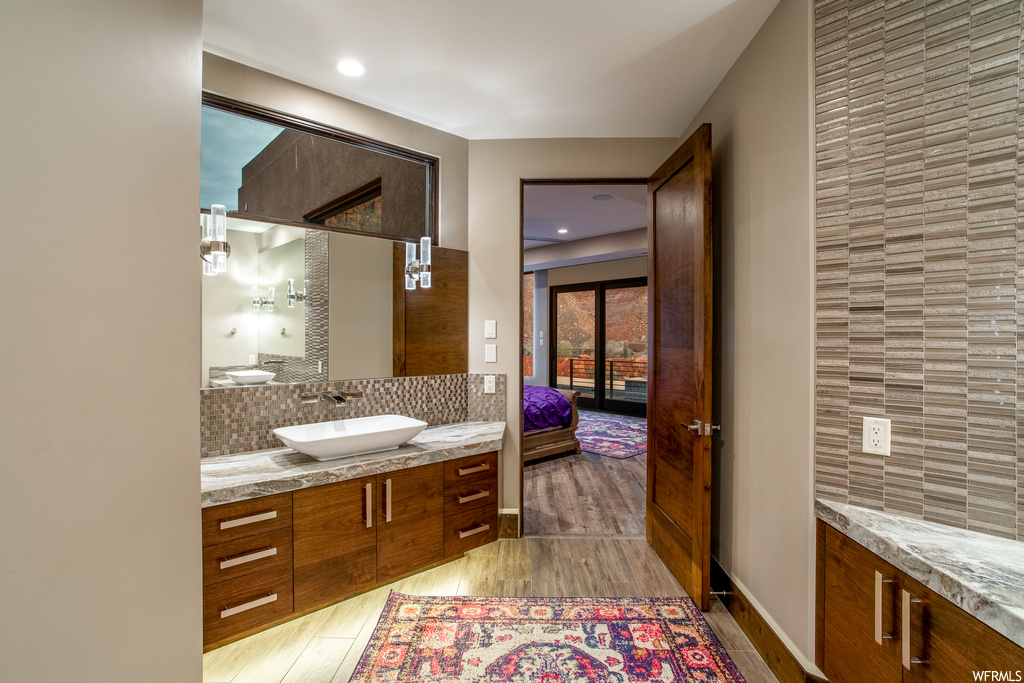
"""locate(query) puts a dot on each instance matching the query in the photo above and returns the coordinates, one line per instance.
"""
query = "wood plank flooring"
(325, 646)
(585, 495)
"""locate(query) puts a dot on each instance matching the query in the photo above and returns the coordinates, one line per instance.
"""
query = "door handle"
(697, 426)
(878, 607)
(907, 659)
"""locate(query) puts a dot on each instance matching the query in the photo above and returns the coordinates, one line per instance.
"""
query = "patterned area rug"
(614, 436)
(547, 640)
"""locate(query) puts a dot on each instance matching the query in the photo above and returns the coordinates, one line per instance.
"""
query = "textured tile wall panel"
(920, 257)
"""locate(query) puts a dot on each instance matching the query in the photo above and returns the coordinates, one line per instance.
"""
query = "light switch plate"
(490, 329)
(488, 384)
(876, 436)
(490, 353)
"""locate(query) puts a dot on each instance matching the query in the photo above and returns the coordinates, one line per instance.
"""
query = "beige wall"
(276, 265)
(230, 79)
(361, 307)
(620, 269)
(101, 562)
(763, 526)
(495, 240)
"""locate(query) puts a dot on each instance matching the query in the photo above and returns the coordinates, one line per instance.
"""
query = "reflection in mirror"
(291, 174)
(339, 324)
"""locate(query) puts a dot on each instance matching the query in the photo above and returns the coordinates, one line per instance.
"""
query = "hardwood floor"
(585, 495)
(325, 646)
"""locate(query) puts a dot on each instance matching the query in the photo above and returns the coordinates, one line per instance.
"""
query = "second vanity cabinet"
(268, 559)
(880, 625)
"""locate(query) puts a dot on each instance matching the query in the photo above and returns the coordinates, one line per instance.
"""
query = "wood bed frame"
(554, 440)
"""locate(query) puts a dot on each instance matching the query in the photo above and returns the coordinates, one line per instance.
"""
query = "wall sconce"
(266, 303)
(294, 296)
(214, 249)
(417, 270)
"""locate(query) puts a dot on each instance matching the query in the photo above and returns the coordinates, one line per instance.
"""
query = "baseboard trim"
(783, 663)
(508, 524)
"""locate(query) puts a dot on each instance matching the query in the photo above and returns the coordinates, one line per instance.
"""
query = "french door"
(599, 334)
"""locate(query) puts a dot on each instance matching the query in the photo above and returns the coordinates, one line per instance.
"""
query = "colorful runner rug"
(547, 640)
(614, 436)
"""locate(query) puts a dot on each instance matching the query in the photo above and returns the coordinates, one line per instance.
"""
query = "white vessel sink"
(344, 438)
(250, 376)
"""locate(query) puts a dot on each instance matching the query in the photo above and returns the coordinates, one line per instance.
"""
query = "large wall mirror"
(318, 223)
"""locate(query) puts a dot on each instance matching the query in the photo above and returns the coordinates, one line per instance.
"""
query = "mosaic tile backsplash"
(238, 420)
(920, 257)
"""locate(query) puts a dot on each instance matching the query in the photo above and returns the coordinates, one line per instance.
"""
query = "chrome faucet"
(338, 398)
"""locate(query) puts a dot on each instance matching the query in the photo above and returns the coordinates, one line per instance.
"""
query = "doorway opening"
(585, 337)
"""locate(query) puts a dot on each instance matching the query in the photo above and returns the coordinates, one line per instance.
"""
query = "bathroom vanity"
(284, 535)
(900, 599)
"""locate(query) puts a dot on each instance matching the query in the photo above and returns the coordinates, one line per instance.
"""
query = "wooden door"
(679, 273)
(410, 523)
(334, 549)
(859, 605)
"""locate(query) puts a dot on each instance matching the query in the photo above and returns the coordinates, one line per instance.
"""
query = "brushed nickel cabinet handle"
(471, 470)
(369, 505)
(474, 496)
(246, 606)
(878, 607)
(387, 500)
(248, 519)
(477, 530)
(907, 659)
(247, 556)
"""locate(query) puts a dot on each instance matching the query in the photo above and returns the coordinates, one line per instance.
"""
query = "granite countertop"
(230, 478)
(981, 574)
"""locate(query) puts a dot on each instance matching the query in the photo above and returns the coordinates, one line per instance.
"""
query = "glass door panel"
(575, 336)
(625, 346)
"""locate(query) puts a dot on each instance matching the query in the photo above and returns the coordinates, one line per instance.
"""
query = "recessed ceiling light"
(602, 197)
(351, 67)
(562, 231)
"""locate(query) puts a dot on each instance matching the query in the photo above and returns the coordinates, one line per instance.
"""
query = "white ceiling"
(486, 69)
(548, 208)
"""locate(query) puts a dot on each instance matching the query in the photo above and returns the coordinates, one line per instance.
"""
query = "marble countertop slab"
(230, 478)
(981, 574)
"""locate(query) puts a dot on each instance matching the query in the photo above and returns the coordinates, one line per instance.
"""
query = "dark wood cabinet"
(410, 520)
(859, 606)
(268, 559)
(877, 624)
(335, 541)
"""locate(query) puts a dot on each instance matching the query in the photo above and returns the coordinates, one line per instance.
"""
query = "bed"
(550, 419)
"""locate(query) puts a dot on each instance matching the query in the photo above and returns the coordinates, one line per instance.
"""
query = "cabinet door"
(410, 520)
(947, 644)
(851, 652)
(335, 543)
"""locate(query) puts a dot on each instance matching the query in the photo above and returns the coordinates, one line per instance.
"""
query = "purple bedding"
(544, 407)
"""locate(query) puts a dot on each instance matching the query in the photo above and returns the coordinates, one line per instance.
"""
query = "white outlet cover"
(877, 436)
(488, 384)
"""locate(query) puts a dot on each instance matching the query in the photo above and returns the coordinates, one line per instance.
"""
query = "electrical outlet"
(252, 359)
(876, 437)
(488, 384)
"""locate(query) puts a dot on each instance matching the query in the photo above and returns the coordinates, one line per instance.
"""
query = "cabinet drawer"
(232, 607)
(470, 495)
(471, 468)
(470, 529)
(247, 555)
(246, 518)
